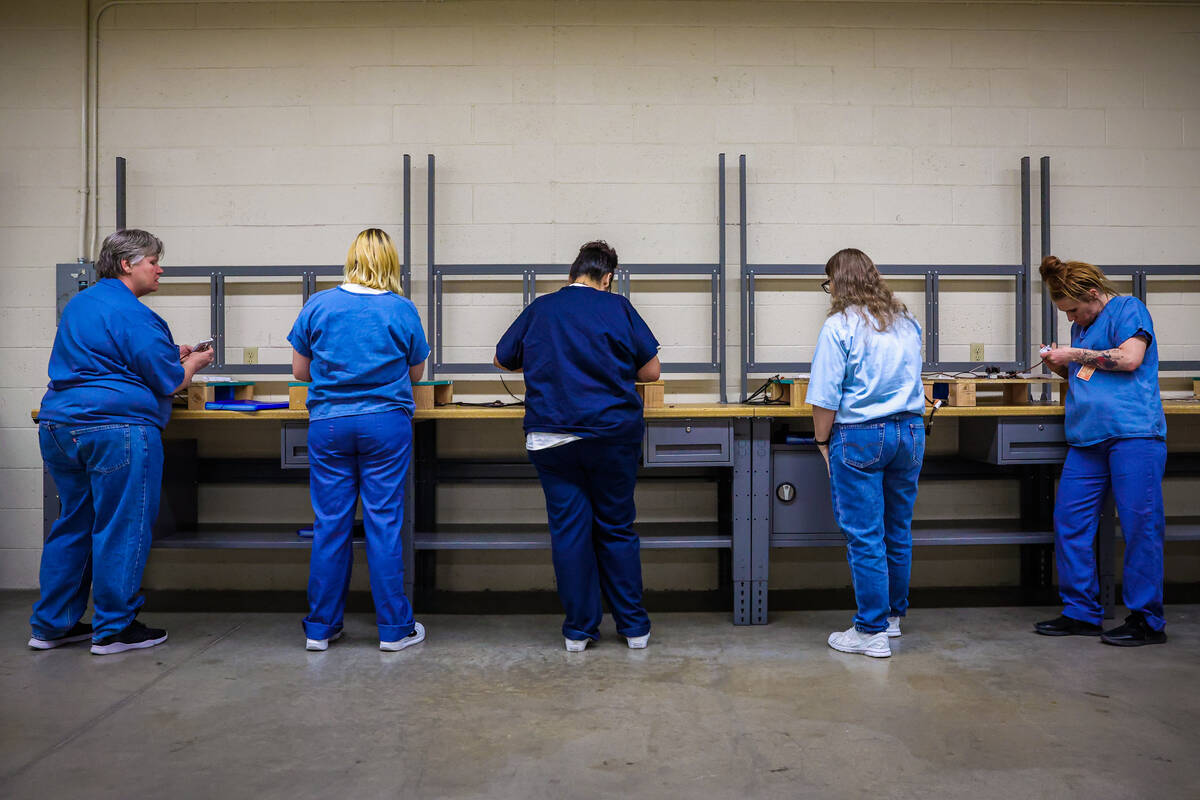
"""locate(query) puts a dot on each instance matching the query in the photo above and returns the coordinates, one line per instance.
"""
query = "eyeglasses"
(825, 286)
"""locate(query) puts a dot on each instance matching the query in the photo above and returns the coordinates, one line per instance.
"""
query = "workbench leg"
(424, 516)
(760, 534)
(743, 514)
(1106, 556)
(1037, 514)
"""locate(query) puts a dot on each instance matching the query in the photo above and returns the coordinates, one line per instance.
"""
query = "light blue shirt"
(1110, 404)
(863, 374)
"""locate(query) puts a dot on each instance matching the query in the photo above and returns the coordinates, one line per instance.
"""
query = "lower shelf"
(931, 533)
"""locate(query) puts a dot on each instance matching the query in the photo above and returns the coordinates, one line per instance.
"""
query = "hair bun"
(1051, 266)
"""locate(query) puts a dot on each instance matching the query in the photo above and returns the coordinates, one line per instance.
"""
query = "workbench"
(738, 447)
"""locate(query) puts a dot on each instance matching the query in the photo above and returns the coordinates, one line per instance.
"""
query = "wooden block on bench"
(962, 395)
(653, 394)
(200, 393)
(1017, 394)
(794, 391)
(428, 394)
(297, 396)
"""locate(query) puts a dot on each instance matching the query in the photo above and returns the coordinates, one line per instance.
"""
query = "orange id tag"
(1085, 372)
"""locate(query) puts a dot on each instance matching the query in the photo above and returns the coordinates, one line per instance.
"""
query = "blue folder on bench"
(244, 405)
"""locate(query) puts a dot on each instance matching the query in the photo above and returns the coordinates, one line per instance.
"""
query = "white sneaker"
(855, 641)
(416, 637)
(576, 645)
(321, 645)
(893, 629)
(638, 642)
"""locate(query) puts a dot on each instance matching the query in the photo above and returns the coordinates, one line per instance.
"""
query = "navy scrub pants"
(1132, 469)
(365, 454)
(589, 487)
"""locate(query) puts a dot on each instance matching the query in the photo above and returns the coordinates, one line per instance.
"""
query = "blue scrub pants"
(874, 468)
(365, 454)
(108, 478)
(1133, 470)
(589, 487)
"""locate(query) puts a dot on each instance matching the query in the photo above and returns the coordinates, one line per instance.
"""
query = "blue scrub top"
(864, 374)
(580, 349)
(361, 346)
(113, 361)
(1115, 405)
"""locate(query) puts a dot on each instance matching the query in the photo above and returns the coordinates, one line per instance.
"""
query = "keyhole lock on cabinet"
(786, 492)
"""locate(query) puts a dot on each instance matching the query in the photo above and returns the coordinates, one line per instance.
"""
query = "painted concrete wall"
(271, 132)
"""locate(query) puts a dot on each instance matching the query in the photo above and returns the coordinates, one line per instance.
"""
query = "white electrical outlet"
(250, 355)
(977, 352)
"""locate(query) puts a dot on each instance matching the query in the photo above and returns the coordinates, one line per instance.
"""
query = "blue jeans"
(1133, 470)
(365, 454)
(108, 478)
(873, 479)
(589, 487)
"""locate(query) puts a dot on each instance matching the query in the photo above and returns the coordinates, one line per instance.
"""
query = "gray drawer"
(703, 442)
(1036, 440)
(293, 445)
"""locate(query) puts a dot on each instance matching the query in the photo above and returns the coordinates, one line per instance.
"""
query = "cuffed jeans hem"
(630, 633)
(315, 630)
(575, 635)
(394, 633)
(1083, 616)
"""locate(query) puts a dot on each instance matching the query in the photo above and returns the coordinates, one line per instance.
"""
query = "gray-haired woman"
(113, 370)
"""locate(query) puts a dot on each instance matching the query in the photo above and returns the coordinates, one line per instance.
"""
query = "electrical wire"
(751, 399)
(518, 401)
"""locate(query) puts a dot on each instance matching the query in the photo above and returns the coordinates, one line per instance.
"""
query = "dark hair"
(858, 284)
(595, 260)
(130, 244)
(1074, 279)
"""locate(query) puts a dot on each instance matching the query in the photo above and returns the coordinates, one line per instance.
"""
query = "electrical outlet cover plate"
(250, 355)
(976, 352)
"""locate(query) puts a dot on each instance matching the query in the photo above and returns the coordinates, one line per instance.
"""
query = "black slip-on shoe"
(81, 632)
(1063, 625)
(1134, 633)
(135, 637)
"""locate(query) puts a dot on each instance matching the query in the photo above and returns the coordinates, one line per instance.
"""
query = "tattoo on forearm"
(1112, 359)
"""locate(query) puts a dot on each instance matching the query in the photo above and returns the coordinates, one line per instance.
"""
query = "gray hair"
(130, 245)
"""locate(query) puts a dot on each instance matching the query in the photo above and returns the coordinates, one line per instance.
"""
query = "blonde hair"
(857, 283)
(372, 261)
(1074, 279)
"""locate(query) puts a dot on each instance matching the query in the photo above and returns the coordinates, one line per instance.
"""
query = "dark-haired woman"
(867, 398)
(112, 371)
(581, 350)
(1117, 435)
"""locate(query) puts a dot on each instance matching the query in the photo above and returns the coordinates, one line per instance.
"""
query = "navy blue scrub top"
(361, 346)
(1115, 405)
(114, 361)
(580, 349)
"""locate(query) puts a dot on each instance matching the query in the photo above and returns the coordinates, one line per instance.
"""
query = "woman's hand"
(1057, 358)
(184, 351)
(196, 360)
(824, 449)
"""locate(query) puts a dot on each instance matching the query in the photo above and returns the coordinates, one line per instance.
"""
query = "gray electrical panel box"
(1029, 440)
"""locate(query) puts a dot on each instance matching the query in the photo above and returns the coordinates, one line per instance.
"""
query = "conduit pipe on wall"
(89, 116)
(89, 189)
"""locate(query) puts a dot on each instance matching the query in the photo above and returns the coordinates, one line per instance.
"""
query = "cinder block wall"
(271, 132)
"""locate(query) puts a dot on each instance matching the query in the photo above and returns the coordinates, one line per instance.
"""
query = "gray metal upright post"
(760, 534)
(743, 520)
(1049, 312)
(721, 272)
(120, 193)
(745, 323)
(430, 261)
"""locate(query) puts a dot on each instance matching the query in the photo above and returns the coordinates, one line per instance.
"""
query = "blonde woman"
(867, 399)
(1117, 435)
(361, 346)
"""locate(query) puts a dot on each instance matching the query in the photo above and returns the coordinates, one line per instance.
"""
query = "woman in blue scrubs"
(867, 398)
(1117, 435)
(113, 370)
(361, 345)
(581, 349)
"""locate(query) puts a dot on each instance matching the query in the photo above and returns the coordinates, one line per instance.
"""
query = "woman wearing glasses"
(865, 390)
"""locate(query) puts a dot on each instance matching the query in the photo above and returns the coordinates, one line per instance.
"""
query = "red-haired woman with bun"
(1117, 435)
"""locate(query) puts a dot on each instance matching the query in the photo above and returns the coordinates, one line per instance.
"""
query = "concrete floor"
(972, 704)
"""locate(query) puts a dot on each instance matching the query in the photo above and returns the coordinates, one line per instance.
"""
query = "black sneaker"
(1063, 625)
(135, 637)
(1134, 633)
(80, 633)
